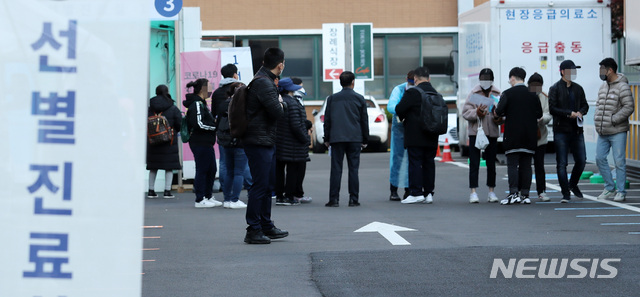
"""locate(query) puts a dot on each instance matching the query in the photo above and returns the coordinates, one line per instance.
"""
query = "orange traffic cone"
(438, 152)
(446, 152)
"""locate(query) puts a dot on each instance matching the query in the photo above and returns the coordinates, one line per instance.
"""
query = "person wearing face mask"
(522, 110)
(535, 86)
(475, 113)
(264, 108)
(613, 108)
(568, 105)
(398, 157)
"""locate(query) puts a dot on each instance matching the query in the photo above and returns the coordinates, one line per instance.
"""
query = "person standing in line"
(476, 112)
(568, 105)
(535, 86)
(164, 156)
(522, 110)
(421, 146)
(298, 95)
(346, 131)
(264, 108)
(229, 74)
(613, 109)
(203, 137)
(398, 158)
(292, 146)
(233, 153)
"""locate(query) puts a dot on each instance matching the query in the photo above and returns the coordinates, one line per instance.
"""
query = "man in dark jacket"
(346, 131)
(292, 146)
(421, 145)
(568, 105)
(522, 110)
(264, 108)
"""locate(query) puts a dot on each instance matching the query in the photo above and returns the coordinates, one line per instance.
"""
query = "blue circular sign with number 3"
(168, 8)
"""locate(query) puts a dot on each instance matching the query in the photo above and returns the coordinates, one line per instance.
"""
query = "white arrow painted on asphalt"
(388, 231)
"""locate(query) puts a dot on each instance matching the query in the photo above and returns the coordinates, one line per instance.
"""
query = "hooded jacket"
(559, 106)
(469, 113)
(200, 121)
(263, 110)
(292, 144)
(165, 156)
(613, 107)
(219, 96)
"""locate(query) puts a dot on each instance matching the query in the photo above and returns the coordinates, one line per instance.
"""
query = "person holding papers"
(477, 111)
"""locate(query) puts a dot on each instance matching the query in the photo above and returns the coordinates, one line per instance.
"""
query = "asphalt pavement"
(447, 248)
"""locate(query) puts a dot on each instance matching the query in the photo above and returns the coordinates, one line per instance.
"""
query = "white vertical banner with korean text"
(73, 76)
(333, 51)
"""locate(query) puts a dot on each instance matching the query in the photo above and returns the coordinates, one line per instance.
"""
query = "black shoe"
(577, 192)
(332, 204)
(275, 233)
(167, 194)
(406, 193)
(152, 194)
(394, 196)
(293, 201)
(282, 201)
(353, 203)
(255, 236)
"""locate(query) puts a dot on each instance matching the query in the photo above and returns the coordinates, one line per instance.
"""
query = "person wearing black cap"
(568, 105)
(292, 146)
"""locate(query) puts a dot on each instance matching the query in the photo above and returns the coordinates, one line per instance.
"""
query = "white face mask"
(485, 84)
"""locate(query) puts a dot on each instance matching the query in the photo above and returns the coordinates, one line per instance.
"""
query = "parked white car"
(452, 132)
(378, 126)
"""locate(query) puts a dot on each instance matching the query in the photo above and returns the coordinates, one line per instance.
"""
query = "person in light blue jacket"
(398, 159)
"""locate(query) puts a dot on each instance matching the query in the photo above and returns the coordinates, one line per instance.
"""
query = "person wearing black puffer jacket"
(264, 108)
(164, 156)
(203, 136)
(292, 146)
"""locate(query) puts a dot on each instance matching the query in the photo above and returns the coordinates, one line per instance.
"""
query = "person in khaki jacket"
(535, 85)
(613, 108)
(474, 114)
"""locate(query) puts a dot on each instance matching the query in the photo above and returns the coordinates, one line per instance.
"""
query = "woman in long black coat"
(164, 156)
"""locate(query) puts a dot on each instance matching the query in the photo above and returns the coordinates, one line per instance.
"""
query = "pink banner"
(195, 65)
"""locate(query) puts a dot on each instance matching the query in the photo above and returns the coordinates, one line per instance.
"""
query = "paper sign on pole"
(73, 76)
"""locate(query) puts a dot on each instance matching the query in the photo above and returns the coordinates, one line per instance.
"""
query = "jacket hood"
(227, 81)
(477, 89)
(190, 99)
(160, 103)
(621, 78)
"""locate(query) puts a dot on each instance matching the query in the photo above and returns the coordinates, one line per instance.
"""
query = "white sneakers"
(234, 205)
(413, 199)
(473, 198)
(208, 203)
(492, 197)
(543, 197)
(619, 197)
(606, 194)
(428, 199)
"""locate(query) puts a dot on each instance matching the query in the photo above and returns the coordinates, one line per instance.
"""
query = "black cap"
(568, 64)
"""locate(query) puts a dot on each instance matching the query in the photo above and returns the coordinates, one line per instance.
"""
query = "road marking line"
(634, 233)
(148, 260)
(151, 249)
(618, 224)
(557, 202)
(586, 208)
(606, 216)
(151, 237)
(612, 203)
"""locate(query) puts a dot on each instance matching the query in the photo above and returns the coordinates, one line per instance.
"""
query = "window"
(298, 56)
(403, 54)
(437, 56)
(258, 47)
(376, 87)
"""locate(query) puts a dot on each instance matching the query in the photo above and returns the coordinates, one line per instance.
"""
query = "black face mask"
(603, 76)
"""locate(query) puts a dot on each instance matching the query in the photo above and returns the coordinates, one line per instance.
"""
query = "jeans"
(538, 163)
(262, 160)
(205, 159)
(338, 150)
(565, 142)
(236, 161)
(519, 172)
(222, 168)
(398, 159)
(422, 170)
(474, 162)
(617, 143)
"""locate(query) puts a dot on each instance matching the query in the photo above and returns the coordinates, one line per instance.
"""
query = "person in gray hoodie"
(613, 108)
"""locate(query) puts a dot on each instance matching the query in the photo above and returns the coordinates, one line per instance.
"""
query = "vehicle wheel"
(464, 150)
(318, 148)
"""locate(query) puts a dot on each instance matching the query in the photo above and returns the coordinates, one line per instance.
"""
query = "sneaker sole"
(474, 202)
(256, 241)
(169, 197)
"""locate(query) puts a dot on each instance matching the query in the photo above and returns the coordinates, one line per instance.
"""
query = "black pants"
(338, 150)
(205, 159)
(474, 162)
(519, 171)
(289, 185)
(262, 161)
(422, 170)
(538, 162)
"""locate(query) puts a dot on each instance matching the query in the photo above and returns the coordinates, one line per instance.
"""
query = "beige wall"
(307, 14)
(478, 2)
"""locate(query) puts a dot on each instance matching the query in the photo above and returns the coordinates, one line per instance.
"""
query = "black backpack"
(434, 112)
(224, 130)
